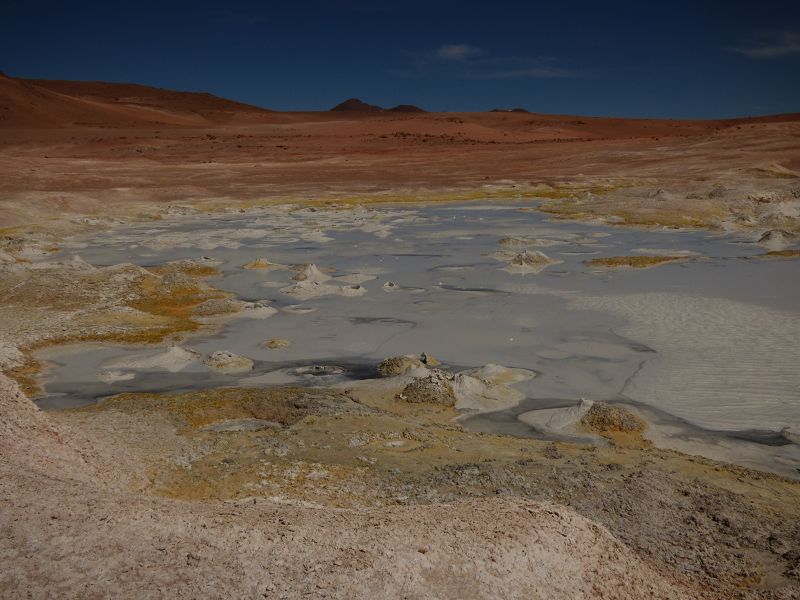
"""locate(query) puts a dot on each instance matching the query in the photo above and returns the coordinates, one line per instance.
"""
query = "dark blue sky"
(672, 59)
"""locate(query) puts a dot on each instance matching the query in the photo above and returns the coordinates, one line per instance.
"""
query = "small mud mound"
(604, 418)
(311, 272)
(617, 424)
(777, 239)
(433, 389)
(277, 344)
(263, 264)
(529, 261)
(228, 362)
(398, 365)
(776, 235)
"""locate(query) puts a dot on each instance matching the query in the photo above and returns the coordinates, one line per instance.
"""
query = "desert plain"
(390, 353)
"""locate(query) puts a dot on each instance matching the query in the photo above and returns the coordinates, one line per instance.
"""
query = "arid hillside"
(111, 149)
(38, 103)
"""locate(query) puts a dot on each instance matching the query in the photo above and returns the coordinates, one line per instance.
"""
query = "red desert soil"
(84, 147)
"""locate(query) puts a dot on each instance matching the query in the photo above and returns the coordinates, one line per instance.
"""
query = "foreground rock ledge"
(74, 526)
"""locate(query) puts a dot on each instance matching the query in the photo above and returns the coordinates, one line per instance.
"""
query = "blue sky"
(677, 59)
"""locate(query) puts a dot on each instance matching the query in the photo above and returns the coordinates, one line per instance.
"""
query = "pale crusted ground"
(69, 531)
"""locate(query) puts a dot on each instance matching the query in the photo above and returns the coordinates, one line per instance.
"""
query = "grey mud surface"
(576, 326)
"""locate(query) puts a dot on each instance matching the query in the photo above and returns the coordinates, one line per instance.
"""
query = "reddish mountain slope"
(30, 103)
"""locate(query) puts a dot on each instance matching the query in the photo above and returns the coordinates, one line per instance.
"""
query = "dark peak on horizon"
(407, 108)
(356, 105)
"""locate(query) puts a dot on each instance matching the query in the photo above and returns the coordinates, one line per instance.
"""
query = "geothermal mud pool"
(703, 348)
